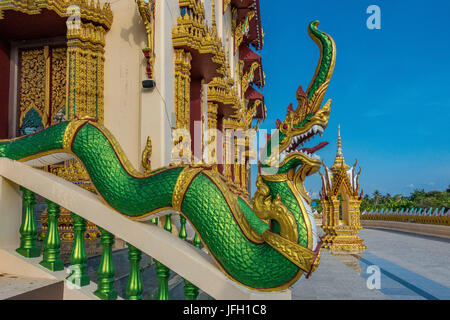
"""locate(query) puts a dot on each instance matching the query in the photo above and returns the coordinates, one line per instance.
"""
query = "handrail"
(190, 263)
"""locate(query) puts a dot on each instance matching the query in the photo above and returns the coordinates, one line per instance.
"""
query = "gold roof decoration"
(88, 33)
(243, 119)
(341, 202)
(340, 175)
(242, 29)
(220, 92)
(339, 161)
(192, 32)
(90, 10)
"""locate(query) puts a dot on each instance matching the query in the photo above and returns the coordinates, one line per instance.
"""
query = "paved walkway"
(412, 267)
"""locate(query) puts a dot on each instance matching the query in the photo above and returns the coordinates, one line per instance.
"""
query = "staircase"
(129, 272)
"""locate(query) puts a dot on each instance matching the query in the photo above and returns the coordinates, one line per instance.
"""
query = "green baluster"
(28, 229)
(183, 234)
(168, 224)
(191, 291)
(78, 257)
(197, 241)
(51, 256)
(105, 281)
(134, 285)
(162, 272)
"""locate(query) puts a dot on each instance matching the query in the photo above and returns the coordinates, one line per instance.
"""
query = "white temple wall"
(157, 104)
(124, 65)
(131, 112)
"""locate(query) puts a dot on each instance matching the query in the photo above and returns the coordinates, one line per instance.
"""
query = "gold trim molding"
(89, 10)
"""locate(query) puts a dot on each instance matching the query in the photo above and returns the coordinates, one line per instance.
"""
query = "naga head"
(285, 164)
(284, 150)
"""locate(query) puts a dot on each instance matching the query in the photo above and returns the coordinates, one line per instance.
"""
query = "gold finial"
(339, 161)
(339, 148)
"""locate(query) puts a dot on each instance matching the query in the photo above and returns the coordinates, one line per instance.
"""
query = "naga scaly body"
(264, 245)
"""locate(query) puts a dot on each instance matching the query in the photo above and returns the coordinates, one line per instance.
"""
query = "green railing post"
(183, 234)
(197, 241)
(190, 291)
(105, 281)
(51, 256)
(78, 257)
(134, 285)
(162, 272)
(28, 229)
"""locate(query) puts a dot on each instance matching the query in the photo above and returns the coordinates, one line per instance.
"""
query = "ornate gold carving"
(242, 30)
(58, 87)
(182, 88)
(219, 91)
(147, 12)
(146, 156)
(85, 72)
(192, 32)
(341, 216)
(266, 209)
(33, 81)
(302, 257)
(184, 180)
(89, 10)
(212, 139)
(249, 77)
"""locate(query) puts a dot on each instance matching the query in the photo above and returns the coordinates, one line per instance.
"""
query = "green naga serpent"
(266, 244)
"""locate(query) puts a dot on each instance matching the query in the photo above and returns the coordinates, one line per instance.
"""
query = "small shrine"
(341, 202)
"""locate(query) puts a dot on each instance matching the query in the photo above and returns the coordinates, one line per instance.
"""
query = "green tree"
(317, 205)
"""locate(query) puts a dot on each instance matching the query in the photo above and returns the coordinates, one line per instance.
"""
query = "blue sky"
(390, 89)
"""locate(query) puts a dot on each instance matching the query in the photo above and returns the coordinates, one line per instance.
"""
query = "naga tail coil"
(325, 67)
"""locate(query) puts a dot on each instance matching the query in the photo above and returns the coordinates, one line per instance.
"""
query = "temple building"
(178, 73)
(341, 201)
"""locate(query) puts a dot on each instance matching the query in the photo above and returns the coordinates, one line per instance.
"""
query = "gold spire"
(339, 161)
(339, 148)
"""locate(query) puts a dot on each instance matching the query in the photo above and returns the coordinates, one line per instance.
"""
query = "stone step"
(15, 287)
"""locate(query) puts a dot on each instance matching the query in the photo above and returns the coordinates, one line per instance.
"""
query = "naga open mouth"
(298, 141)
